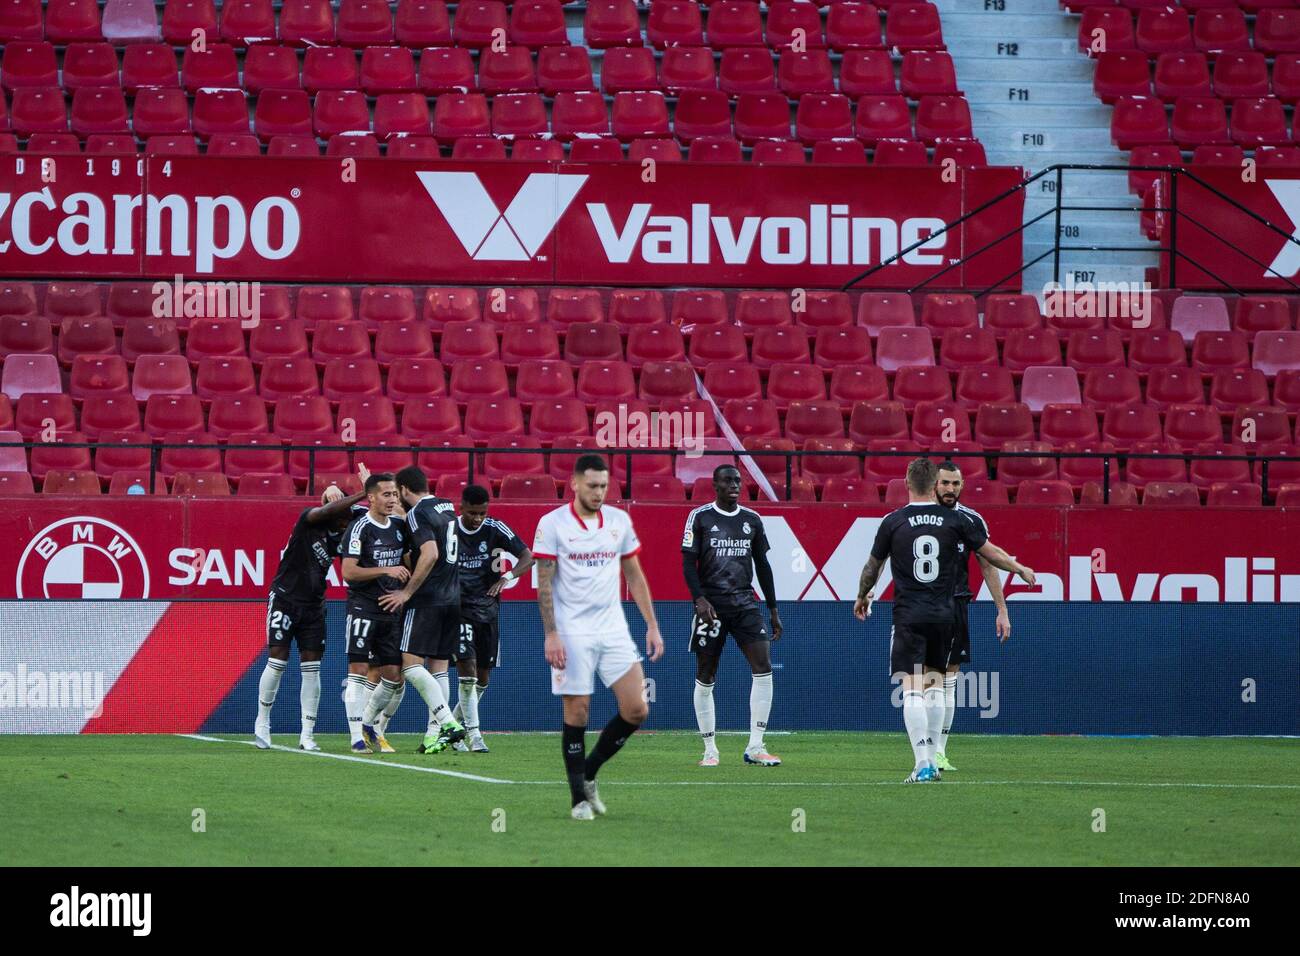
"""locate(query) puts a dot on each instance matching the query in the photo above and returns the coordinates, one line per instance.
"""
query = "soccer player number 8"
(926, 551)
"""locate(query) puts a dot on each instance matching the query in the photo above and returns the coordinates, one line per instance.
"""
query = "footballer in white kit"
(582, 550)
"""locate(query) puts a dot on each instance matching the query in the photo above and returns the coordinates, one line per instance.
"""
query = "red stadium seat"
(626, 69)
(667, 381)
(305, 22)
(913, 384)
(288, 377)
(386, 69)
(91, 375)
(507, 71)
(282, 113)
(1062, 423)
(1004, 313)
(762, 116)
(1055, 493)
(446, 70)
(866, 72)
(984, 383)
(303, 416)
(421, 23)
(488, 419)
(1275, 354)
(968, 348)
(823, 309)
(1045, 385)
(1139, 121)
(541, 379)
(882, 466)
(239, 413)
(561, 68)
(822, 116)
(999, 423)
(109, 413)
(478, 378)
(189, 452)
(67, 21)
(224, 376)
(897, 347)
(1170, 495)
(1189, 425)
(1124, 73)
(1028, 347)
(365, 23)
(1174, 385)
(172, 413)
(913, 26)
(742, 70)
(55, 455)
(611, 23)
(871, 420)
(727, 381)
(880, 310)
(842, 346)
(601, 381)
(756, 418)
(1079, 472)
(940, 422)
(246, 21)
(160, 375)
(426, 418)
(853, 26)
(1156, 348)
(795, 382)
(1277, 30)
(780, 344)
(814, 419)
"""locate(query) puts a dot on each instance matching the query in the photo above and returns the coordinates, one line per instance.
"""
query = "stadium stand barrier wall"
(1069, 668)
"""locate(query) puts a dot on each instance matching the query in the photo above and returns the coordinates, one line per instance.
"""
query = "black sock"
(575, 761)
(612, 739)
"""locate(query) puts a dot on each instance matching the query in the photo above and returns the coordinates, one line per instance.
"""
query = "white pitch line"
(762, 783)
(353, 758)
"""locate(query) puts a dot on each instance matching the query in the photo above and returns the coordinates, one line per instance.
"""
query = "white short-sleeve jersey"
(588, 556)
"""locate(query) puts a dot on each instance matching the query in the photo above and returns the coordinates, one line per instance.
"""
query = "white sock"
(379, 699)
(914, 719)
(705, 716)
(933, 699)
(760, 706)
(427, 686)
(354, 702)
(381, 722)
(479, 691)
(444, 687)
(268, 686)
(309, 695)
(949, 709)
(468, 704)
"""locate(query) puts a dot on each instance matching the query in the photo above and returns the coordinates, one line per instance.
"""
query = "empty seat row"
(1167, 29)
(1232, 76)
(453, 69)
(1197, 120)
(633, 115)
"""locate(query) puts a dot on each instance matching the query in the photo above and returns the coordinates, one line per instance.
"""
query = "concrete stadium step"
(1033, 106)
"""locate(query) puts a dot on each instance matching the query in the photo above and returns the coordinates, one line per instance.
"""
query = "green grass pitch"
(132, 800)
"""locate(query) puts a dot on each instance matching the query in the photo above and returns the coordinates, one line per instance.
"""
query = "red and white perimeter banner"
(319, 219)
(65, 548)
(1228, 231)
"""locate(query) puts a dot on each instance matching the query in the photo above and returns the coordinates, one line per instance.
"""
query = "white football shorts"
(609, 655)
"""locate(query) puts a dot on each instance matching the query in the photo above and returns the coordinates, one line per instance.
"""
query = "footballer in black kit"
(295, 611)
(927, 546)
(484, 544)
(724, 547)
(373, 543)
(431, 625)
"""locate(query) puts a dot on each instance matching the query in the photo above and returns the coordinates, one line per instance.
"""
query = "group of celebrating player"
(424, 589)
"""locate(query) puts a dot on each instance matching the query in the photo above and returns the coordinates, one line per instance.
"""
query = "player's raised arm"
(333, 508)
(639, 588)
(994, 582)
(1000, 559)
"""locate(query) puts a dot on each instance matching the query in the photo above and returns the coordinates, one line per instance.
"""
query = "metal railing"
(1057, 173)
(1108, 460)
